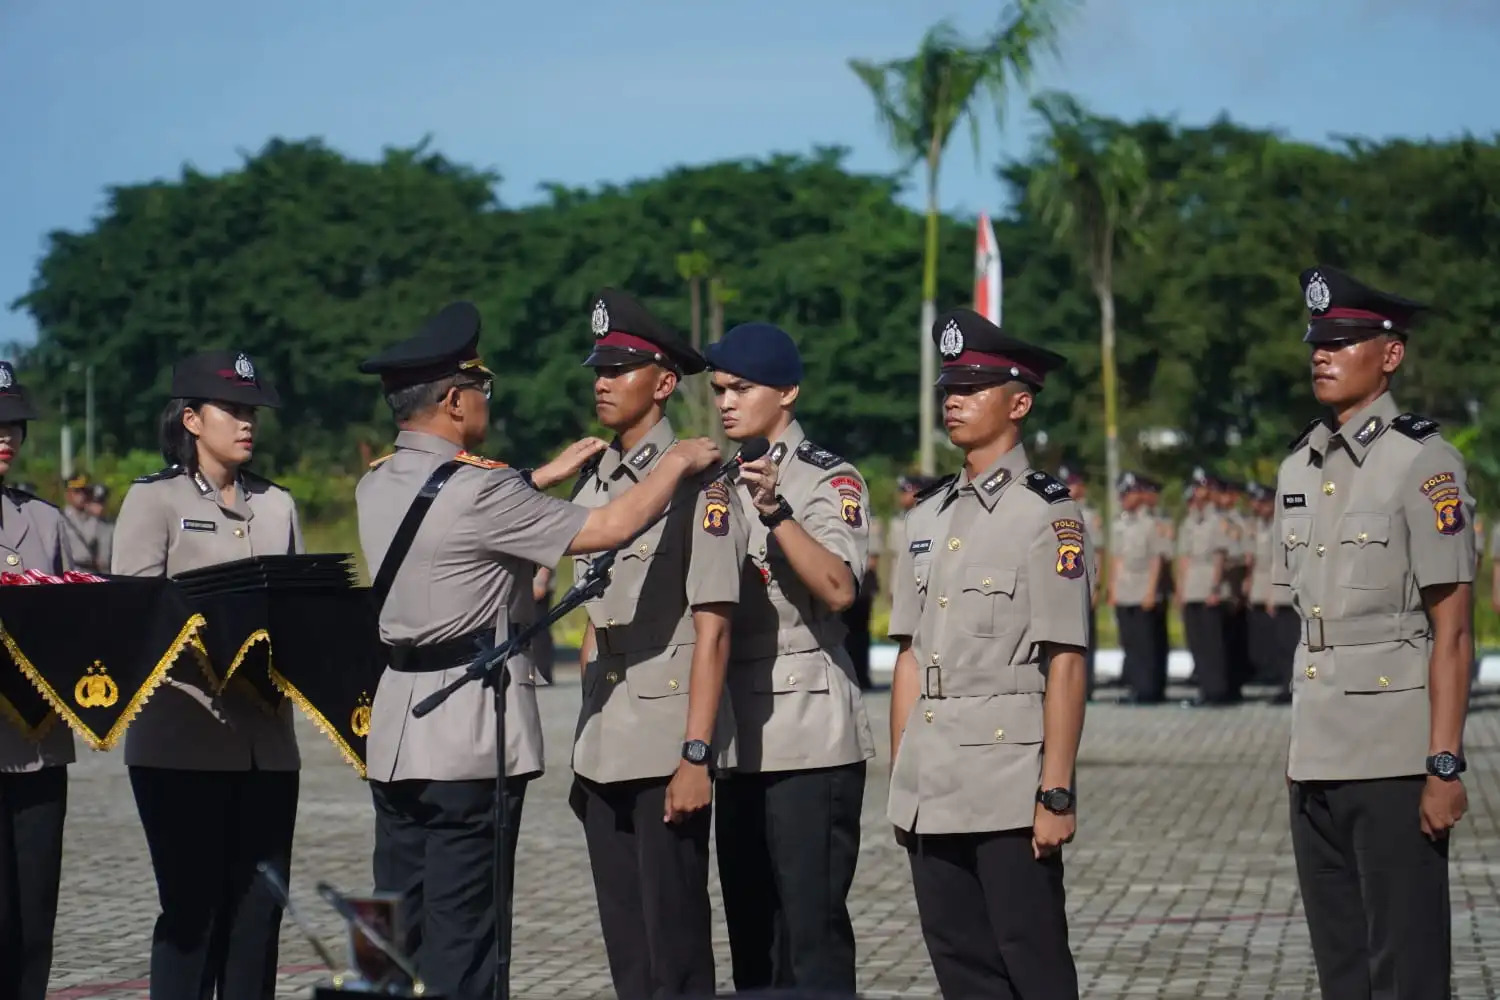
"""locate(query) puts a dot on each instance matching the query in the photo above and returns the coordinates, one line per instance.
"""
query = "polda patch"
(1447, 502)
(1069, 532)
(716, 509)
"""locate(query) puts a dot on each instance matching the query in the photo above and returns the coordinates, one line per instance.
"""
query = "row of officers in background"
(714, 673)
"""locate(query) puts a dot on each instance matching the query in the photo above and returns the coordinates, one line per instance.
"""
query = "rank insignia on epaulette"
(1442, 492)
(479, 461)
(1069, 533)
(1416, 427)
(820, 457)
(716, 508)
(1049, 488)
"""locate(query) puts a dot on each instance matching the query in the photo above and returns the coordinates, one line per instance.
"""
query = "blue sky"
(95, 92)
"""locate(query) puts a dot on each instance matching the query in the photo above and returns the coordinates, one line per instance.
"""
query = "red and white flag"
(988, 289)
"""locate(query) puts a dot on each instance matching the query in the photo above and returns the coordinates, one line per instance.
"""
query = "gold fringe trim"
(185, 636)
(318, 719)
(259, 635)
(11, 714)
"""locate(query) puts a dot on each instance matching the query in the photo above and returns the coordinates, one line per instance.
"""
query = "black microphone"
(750, 451)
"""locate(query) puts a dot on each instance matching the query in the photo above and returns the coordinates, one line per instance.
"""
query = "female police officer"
(214, 774)
(33, 772)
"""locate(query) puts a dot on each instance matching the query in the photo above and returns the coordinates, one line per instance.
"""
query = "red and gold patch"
(1069, 533)
(479, 461)
(1442, 492)
(716, 508)
(851, 509)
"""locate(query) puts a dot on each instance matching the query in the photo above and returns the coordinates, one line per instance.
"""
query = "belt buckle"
(933, 690)
(1322, 636)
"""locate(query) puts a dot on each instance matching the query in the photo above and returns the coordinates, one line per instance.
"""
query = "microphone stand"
(490, 669)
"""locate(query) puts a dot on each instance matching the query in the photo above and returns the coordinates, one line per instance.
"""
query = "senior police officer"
(1133, 589)
(1203, 546)
(33, 765)
(457, 539)
(1376, 529)
(652, 728)
(788, 823)
(991, 617)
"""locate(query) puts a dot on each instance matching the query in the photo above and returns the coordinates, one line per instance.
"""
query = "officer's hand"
(690, 790)
(1443, 805)
(696, 454)
(1049, 831)
(760, 476)
(1149, 602)
(566, 465)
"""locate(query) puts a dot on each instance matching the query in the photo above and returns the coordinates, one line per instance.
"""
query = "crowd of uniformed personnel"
(720, 671)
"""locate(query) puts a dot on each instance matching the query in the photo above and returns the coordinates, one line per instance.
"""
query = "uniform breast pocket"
(1365, 552)
(1295, 534)
(663, 677)
(986, 599)
(922, 571)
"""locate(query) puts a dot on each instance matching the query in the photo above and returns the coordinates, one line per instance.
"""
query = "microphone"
(752, 450)
(346, 910)
(283, 895)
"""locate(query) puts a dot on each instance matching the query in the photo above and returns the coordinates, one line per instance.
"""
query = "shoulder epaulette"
(1418, 428)
(1303, 435)
(820, 457)
(936, 487)
(382, 460)
(21, 496)
(1049, 488)
(479, 461)
(257, 477)
(585, 474)
(170, 472)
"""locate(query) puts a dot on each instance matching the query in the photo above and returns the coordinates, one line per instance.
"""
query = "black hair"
(411, 401)
(178, 447)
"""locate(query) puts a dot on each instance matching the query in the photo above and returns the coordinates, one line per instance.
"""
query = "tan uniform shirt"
(469, 569)
(1267, 554)
(1240, 546)
(31, 537)
(1368, 516)
(635, 689)
(172, 522)
(1166, 538)
(1202, 536)
(797, 704)
(1137, 549)
(87, 539)
(994, 568)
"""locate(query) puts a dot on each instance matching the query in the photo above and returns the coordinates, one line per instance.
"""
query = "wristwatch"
(1056, 800)
(781, 513)
(695, 752)
(1446, 765)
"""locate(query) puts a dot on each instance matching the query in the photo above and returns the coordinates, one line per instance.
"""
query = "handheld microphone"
(344, 909)
(750, 451)
(283, 895)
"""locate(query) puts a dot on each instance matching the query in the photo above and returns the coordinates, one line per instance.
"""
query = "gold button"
(1363, 536)
(942, 602)
(953, 544)
(239, 532)
(12, 559)
(644, 548)
(934, 659)
(1292, 538)
(1385, 682)
(791, 679)
(612, 677)
(1328, 489)
(1316, 612)
(1322, 549)
(926, 716)
(999, 734)
(1311, 671)
(609, 623)
(672, 684)
(985, 582)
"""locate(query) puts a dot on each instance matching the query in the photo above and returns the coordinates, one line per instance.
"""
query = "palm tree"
(1090, 190)
(922, 99)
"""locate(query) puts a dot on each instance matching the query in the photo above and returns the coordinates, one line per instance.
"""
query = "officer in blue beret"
(789, 815)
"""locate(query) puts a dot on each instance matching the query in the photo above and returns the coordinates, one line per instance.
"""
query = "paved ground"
(1181, 880)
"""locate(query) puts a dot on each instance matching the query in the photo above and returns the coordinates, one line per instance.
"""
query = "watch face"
(695, 751)
(1057, 800)
(1445, 764)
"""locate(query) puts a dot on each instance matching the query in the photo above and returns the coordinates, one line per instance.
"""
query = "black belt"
(438, 656)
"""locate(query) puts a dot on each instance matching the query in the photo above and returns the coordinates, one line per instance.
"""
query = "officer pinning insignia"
(1069, 532)
(1047, 487)
(1294, 500)
(778, 453)
(1415, 427)
(1442, 492)
(479, 461)
(1368, 432)
(996, 482)
(920, 547)
(820, 457)
(643, 457)
(716, 508)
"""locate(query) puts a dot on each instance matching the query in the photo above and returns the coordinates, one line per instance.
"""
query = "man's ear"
(666, 384)
(1394, 354)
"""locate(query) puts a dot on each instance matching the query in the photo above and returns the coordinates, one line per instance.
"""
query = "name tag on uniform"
(917, 548)
(1294, 500)
(188, 524)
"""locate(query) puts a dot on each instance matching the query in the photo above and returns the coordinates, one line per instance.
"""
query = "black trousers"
(206, 832)
(1144, 670)
(993, 917)
(1204, 625)
(1237, 646)
(788, 844)
(651, 880)
(1273, 643)
(1158, 616)
(32, 808)
(435, 846)
(1374, 888)
(857, 638)
(1089, 650)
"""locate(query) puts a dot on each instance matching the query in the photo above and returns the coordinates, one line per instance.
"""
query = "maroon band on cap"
(1341, 313)
(615, 338)
(230, 375)
(983, 359)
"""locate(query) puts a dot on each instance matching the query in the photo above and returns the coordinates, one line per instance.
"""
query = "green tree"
(922, 99)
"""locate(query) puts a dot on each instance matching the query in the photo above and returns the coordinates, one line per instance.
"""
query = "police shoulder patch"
(479, 461)
(715, 508)
(1305, 433)
(1049, 488)
(1441, 490)
(935, 488)
(170, 472)
(1069, 532)
(820, 457)
(1416, 427)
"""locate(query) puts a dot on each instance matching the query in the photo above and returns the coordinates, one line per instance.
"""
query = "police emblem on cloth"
(850, 508)
(599, 322)
(244, 369)
(1069, 533)
(951, 340)
(1441, 491)
(1318, 296)
(7, 377)
(716, 508)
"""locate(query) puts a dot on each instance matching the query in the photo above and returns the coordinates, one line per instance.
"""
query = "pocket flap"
(1382, 674)
(923, 571)
(1007, 721)
(990, 580)
(802, 673)
(659, 678)
(649, 544)
(1295, 531)
(1365, 529)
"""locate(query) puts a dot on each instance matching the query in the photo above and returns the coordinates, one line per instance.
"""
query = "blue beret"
(758, 352)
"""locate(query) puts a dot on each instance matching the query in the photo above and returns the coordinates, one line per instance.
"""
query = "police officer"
(1078, 490)
(1203, 545)
(1133, 590)
(98, 496)
(991, 617)
(652, 729)
(1376, 527)
(83, 530)
(1274, 626)
(1235, 593)
(214, 772)
(463, 574)
(788, 823)
(33, 766)
(1166, 536)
